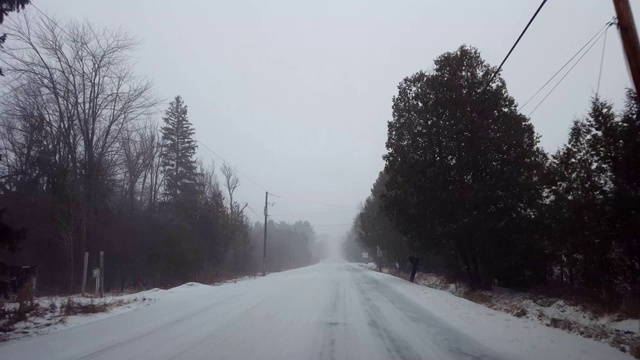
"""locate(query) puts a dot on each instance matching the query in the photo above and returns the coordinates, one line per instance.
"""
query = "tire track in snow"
(401, 323)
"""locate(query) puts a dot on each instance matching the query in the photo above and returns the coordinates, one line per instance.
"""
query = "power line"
(604, 47)
(604, 28)
(154, 105)
(160, 110)
(50, 19)
(202, 143)
(314, 202)
(226, 162)
(517, 41)
(254, 211)
(338, 224)
(205, 145)
(565, 75)
(315, 213)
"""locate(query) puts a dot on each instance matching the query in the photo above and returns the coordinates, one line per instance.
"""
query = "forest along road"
(325, 311)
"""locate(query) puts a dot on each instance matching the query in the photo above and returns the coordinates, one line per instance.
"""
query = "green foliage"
(174, 255)
(595, 202)
(178, 152)
(626, 191)
(10, 238)
(7, 6)
(466, 187)
(351, 248)
(88, 169)
(375, 231)
(464, 169)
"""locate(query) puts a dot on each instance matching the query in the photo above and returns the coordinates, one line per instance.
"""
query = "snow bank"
(186, 286)
(627, 326)
(50, 313)
(371, 266)
(554, 313)
(520, 338)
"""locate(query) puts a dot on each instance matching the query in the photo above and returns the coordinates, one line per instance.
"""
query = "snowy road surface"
(325, 311)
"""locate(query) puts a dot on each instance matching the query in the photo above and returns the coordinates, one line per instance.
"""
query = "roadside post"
(101, 273)
(414, 261)
(96, 275)
(84, 272)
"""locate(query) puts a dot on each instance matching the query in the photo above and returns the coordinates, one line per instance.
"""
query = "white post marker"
(96, 275)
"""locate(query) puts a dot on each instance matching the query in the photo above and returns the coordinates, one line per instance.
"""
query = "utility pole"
(264, 248)
(629, 37)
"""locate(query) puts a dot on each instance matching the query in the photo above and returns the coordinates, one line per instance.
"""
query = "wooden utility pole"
(264, 248)
(629, 37)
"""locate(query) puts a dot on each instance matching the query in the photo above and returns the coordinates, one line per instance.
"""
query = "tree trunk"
(484, 278)
(473, 270)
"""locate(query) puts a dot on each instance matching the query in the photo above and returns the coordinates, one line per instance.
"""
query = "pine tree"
(374, 230)
(7, 6)
(582, 196)
(464, 169)
(626, 194)
(178, 152)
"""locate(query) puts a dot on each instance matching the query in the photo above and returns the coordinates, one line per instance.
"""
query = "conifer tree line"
(89, 164)
(467, 187)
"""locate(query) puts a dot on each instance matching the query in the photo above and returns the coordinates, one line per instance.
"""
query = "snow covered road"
(325, 311)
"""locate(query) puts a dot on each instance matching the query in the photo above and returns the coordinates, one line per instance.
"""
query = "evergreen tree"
(464, 170)
(178, 152)
(9, 237)
(351, 249)
(626, 196)
(7, 6)
(583, 185)
(374, 230)
(594, 198)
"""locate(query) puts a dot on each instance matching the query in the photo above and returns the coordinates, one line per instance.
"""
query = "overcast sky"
(296, 94)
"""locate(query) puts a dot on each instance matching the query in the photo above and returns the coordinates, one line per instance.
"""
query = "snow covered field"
(326, 311)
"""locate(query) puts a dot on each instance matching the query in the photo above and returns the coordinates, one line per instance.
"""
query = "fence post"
(101, 273)
(97, 284)
(84, 272)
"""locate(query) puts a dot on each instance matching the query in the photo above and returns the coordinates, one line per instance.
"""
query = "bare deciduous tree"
(138, 146)
(154, 172)
(74, 83)
(231, 183)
